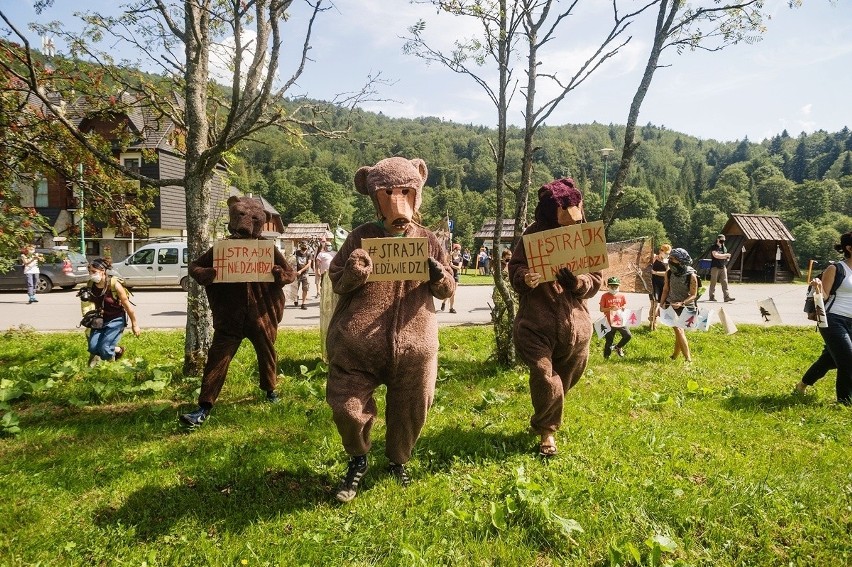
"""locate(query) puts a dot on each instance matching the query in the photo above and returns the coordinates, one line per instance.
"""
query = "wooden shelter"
(768, 246)
(486, 232)
(309, 232)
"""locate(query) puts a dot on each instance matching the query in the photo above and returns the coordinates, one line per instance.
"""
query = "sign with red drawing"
(581, 248)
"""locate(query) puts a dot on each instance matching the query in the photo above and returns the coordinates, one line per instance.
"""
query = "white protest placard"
(601, 327)
(688, 319)
(706, 318)
(580, 247)
(398, 259)
(668, 316)
(238, 260)
(633, 317)
(768, 312)
(727, 322)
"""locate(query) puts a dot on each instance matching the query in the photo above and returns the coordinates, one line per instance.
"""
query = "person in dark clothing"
(719, 268)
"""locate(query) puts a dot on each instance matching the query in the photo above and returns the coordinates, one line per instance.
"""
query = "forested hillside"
(681, 188)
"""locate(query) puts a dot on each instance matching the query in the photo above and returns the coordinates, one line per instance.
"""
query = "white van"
(156, 264)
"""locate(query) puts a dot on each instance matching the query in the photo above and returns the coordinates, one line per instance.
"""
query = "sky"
(798, 78)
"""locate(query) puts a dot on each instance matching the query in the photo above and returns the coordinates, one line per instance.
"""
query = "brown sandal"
(547, 449)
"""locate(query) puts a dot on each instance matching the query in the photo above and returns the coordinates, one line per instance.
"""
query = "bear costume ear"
(361, 180)
(421, 169)
(231, 200)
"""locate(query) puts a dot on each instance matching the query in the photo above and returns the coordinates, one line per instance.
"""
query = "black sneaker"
(607, 352)
(272, 397)
(196, 418)
(349, 485)
(619, 351)
(727, 299)
(443, 305)
(399, 473)
(452, 310)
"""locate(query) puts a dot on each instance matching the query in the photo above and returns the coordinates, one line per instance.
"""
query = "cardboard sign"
(243, 260)
(398, 259)
(581, 248)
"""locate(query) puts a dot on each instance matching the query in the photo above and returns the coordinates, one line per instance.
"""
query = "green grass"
(660, 462)
(472, 278)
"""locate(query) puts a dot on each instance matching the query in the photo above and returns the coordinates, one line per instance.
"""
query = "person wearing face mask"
(322, 262)
(680, 291)
(659, 267)
(111, 300)
(552, 329)
(303, 264)
(719, 268)
(612, 303)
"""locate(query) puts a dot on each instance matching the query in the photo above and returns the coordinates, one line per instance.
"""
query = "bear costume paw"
(205, 276)
(359, 263)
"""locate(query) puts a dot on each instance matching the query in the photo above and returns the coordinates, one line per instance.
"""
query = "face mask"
(96, 278)
(664, 256)
(677, 269)
(613, 290)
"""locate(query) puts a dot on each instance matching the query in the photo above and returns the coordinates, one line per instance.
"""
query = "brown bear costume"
(240, 311)
(552, 328)
(384, 332)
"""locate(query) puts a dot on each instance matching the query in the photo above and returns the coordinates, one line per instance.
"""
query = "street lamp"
(82, 219)
(605, 152)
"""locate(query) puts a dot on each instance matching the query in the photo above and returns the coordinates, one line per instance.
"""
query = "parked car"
(156, 264)
(60, 268)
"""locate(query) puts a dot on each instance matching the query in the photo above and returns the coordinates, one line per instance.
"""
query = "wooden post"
(742, 257)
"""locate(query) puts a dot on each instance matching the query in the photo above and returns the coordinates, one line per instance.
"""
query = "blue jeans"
(102, 342)
(838, 341)
(32, 280)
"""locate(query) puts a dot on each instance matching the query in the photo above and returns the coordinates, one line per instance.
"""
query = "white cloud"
(806, 110)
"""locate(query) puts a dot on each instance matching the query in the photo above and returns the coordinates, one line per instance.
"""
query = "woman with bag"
(838, 334)
(112, 303)
(680, 290)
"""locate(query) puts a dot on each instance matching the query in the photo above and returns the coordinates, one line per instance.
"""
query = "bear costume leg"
(408, 400)
(552, 374)
(263, 340)
(222, 351)
(350, 396)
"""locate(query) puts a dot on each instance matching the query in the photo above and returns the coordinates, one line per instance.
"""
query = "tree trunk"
(198, 320)
(503, 312)
(662, 30)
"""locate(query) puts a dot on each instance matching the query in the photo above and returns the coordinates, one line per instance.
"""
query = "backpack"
(112, 280)
(699, 289)
(840, 274)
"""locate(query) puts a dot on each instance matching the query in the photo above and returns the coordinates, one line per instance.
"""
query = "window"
(186, 255)
(132, 164)
(167, 256)
(144, 257)
(41, 193)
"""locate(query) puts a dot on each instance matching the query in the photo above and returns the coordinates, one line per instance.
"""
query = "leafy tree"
(180, 38)
(675, 218)
(625, 229)
(682, 26)
(773, 192)
(728, 199)
(638, 203)
(812, 199)
(707, 221)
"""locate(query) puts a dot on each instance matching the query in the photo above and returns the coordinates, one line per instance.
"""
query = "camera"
(85, 295)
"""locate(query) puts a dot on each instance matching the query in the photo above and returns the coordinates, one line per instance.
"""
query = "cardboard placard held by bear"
(580, 247)
(398, 259)
(239, 260)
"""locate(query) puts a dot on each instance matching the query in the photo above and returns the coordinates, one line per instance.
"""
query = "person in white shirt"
(322, 262)
(30, 260)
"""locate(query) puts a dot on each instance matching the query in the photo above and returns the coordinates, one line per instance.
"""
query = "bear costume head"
(560, 203)
(246, 217)
(395, 185)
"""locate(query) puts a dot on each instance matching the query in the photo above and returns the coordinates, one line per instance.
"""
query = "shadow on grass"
(444, 447)
(230, 498)
(767, 403)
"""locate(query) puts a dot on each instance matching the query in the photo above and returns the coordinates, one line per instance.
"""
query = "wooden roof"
(306, 231)
(487, 230)
(758, 227)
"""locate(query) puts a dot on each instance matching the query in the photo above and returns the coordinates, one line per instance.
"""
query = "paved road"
(166, 308)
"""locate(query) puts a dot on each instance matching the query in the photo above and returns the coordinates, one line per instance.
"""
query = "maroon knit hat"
(558, 193)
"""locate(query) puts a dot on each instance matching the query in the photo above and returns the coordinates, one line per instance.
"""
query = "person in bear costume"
(244, 310)
(384, 332)
(552, 328)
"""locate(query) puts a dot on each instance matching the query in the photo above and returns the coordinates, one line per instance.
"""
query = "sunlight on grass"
(661, 462)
